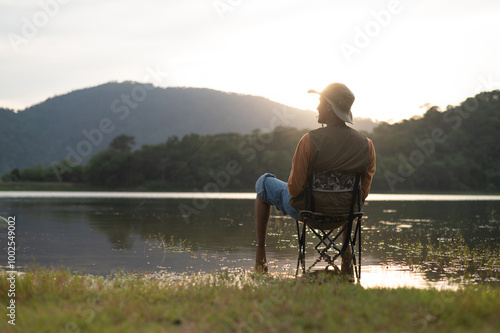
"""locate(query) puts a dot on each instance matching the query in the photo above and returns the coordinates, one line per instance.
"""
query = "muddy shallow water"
(101, 233)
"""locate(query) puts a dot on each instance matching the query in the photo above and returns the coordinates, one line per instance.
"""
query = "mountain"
(80, 123)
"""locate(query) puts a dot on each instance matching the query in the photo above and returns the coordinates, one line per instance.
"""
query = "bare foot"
(260, 260)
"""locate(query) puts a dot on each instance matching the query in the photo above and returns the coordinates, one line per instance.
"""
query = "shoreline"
(93, 194)
(85, 187)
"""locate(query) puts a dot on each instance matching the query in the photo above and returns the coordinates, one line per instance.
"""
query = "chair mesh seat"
(324, 221)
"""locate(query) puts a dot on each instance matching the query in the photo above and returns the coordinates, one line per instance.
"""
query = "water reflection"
(99, 235)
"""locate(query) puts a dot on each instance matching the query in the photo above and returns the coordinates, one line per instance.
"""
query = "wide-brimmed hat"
(340, 99)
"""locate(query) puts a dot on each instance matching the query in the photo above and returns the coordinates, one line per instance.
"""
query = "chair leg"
(357, 256)
(302, 248)
(303, 259)
(359, 247)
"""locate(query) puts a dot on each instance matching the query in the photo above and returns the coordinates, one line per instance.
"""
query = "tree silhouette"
(122, 143)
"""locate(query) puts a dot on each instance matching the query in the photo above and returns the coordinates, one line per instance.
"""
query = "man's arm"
(367, 179)
(300, 164)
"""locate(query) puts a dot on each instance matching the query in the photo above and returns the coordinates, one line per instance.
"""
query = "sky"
(398, 57)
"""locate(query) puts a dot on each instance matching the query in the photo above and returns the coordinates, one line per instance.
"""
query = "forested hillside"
(83, 122)
(454, 150)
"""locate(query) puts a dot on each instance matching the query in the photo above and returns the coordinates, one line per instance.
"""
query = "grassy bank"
(58, 301)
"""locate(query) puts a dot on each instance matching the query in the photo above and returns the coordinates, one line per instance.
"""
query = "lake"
(107, 232)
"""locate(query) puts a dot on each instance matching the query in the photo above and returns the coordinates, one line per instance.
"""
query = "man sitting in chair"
(335, 147)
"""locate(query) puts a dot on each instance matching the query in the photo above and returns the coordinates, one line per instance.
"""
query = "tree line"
(452, 150)
(228, 161)
(447, 151)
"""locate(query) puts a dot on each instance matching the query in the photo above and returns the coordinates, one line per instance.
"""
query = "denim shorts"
(275, 192)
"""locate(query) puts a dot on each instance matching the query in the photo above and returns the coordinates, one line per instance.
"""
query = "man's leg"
(270, 192)
(262, 213)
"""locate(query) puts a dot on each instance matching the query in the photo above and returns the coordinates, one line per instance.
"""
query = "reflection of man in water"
(336, 147)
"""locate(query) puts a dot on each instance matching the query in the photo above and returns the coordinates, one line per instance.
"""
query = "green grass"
(58, 301)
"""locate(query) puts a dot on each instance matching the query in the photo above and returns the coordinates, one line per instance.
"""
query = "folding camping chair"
(324, 227)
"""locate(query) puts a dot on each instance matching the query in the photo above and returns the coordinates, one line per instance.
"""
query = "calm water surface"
(102, 232)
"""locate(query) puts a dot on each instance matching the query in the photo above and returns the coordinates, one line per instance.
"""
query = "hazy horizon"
(396, 56)
(374, 119)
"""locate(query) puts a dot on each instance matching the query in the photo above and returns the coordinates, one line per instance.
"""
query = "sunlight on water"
(379, 276)
(232, 195)
(126, 195)
(431, 197)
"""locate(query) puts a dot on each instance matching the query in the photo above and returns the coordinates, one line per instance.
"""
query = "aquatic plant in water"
(167, 246)
(453, 258)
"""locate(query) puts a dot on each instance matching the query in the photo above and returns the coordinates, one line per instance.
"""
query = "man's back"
(339, 148)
